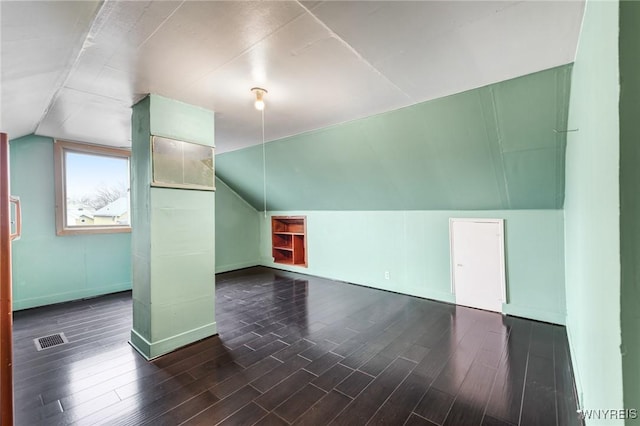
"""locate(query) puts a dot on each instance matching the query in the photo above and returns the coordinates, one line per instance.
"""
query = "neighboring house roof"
(75, 212)
(114, 209)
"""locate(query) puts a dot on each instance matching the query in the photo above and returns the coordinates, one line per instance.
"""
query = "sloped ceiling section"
(497, 147)
(40, 42)
(73, 69)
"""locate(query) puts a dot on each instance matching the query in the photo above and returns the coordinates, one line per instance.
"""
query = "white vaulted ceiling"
(74, 69)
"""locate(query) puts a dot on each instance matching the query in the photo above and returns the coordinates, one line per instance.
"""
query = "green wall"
(413, 246)
(48, 268)
(379, 191)
(173, 236)
(592, 208)
(629, 49)
(492, 148)
(237, 231)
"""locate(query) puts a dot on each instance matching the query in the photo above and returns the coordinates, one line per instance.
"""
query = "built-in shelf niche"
(289, 240)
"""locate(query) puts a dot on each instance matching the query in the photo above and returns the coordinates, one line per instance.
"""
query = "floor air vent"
(47, 342)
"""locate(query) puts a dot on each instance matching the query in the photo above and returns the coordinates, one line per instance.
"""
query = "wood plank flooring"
(296, 349)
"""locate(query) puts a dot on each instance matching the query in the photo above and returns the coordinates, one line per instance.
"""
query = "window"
(92, 189)
(185, 165)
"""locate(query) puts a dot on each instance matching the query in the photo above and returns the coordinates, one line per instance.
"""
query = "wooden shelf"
(289, 240)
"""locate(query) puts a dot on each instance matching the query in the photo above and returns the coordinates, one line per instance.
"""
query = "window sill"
(94, 230)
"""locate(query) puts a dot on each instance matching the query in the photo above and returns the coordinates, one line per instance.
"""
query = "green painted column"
(173, 236)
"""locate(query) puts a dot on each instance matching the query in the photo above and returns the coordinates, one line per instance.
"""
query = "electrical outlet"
(386, 275)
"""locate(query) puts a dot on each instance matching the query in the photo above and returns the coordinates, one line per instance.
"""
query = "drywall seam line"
(495, 153)
(353, 50)
(500, 145)
(244, 51)
(95, 27)
(164, 21)
(64, 77)
(389, 178)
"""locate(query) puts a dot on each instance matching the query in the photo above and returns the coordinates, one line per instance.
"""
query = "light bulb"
(259, 103)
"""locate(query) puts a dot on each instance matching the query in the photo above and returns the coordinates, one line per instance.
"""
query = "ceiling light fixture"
(260, 92)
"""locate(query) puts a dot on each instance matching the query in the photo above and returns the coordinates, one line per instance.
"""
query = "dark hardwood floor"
(295, 349)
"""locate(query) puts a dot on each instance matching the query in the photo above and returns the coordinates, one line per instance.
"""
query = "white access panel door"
(477, 263)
